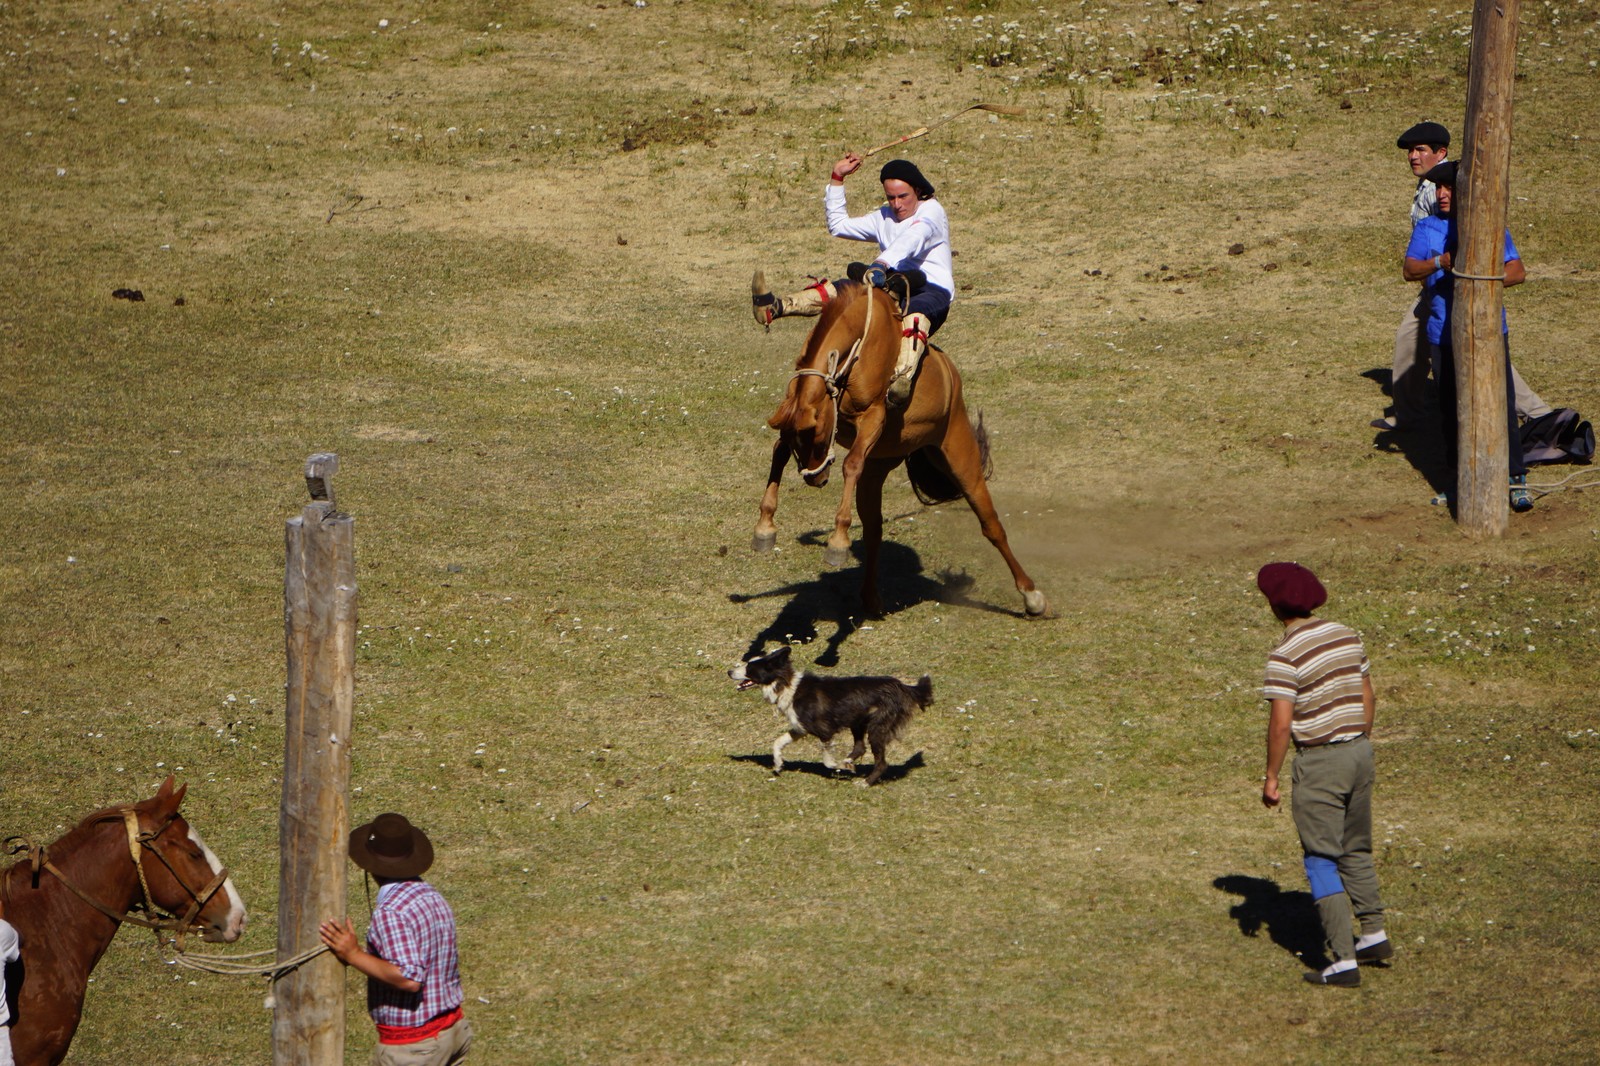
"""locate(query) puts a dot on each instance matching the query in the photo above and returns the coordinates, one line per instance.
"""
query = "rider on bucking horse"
(913, 235)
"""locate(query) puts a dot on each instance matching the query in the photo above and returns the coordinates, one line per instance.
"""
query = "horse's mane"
(70, 840)
(821, 341)
(845, 296)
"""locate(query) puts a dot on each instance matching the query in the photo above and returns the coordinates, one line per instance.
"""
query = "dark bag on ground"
(1558, 437)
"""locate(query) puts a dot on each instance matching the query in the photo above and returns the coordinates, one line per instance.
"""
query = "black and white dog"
(873, 709)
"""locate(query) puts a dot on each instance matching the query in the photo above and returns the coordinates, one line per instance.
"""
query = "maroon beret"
(1291, 588)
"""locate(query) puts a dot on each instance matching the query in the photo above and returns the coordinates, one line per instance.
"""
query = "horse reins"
(138, 839)
(831, 379)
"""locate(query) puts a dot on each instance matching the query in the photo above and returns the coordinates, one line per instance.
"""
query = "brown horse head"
(834, 380)
(68, 899)
(181, 872)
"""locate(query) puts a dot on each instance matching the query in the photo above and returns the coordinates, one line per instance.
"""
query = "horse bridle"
(833, 379)
(138, 840)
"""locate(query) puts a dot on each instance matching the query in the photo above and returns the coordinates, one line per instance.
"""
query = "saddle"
(901, 285)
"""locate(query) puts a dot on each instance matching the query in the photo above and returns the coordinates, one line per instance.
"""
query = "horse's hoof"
(1035, 603)
(836, 557)
(763, 542)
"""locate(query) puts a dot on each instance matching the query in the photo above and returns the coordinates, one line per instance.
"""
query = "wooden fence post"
(1482, 190)
(319, 619)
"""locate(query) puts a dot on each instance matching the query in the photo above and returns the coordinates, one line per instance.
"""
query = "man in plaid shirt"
(413, 973)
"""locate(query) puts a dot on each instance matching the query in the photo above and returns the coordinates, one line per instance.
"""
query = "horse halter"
(833, 380)
(138, 840)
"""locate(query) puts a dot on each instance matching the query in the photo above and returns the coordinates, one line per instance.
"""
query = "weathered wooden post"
(1483, 507)
(319, 619)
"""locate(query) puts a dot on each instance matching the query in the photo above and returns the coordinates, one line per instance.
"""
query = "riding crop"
(999, 109)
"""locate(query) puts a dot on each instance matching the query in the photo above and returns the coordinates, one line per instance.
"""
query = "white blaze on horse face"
(232, 924)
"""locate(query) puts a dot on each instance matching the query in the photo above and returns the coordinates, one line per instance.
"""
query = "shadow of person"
(1422, 446)
(818, 769)
(834, 599)
(1290, 918)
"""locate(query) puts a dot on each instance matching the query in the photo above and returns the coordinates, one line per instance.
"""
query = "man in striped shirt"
(413, 972)
(1320, 695)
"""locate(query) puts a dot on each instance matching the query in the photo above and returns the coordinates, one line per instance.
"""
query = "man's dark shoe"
(1344, 978)
(1378, 952)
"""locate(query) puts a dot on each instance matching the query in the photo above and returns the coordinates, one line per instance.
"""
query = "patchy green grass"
(496, 260)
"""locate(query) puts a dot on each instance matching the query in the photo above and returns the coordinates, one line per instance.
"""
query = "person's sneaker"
(1350, 978)
(1521, 498)
(1440, 499)
(1378, 952)
(1389, 425)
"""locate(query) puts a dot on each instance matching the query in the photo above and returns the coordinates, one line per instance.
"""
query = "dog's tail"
(894, 717)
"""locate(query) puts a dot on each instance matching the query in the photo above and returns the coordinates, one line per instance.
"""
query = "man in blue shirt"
(1429, 258)
(1426, 145)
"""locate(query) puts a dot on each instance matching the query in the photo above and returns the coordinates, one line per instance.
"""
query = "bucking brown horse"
(68, 899)
(837, 396)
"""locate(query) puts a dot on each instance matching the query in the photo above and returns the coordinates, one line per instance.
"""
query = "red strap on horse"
(912, 331)
(822, 288)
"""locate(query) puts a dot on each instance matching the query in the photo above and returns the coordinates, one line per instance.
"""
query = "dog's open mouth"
(744, 683)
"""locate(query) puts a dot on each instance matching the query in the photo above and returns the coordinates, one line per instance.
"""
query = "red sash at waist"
(410, 1034)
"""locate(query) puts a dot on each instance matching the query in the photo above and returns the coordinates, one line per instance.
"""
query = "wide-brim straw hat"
(390, 846)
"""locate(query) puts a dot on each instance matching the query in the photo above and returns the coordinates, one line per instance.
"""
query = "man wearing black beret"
(1426, 145)
(913, 237)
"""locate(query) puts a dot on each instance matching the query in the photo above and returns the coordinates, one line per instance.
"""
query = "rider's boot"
(913, 343)
(807, 302)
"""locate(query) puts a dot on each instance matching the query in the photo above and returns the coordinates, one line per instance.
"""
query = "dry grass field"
(497, 257)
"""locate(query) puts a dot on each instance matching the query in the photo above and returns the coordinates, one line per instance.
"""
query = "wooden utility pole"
(1482, 188)
(319, 621)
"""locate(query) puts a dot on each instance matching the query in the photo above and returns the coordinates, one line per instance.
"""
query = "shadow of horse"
(833, 599)
(818, 769)
(1290, 918)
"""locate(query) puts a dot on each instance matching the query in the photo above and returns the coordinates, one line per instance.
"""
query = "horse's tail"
(930, 476)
